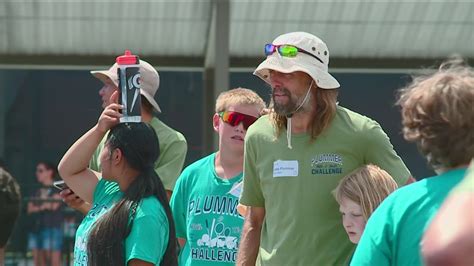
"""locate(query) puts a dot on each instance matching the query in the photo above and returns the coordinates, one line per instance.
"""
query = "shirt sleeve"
(94, 163)
(252, 194)
(148, 238)
(178, 205)
(171, 163)
(381, 153)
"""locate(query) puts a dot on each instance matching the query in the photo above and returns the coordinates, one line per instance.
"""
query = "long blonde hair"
(367, 186)
(325, 111)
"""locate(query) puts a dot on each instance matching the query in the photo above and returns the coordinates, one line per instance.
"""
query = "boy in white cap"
(173, 146)
(291, 217)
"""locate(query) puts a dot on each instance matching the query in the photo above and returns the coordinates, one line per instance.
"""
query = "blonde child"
(359, 194)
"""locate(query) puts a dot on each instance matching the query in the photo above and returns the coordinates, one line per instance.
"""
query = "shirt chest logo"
(326, 164)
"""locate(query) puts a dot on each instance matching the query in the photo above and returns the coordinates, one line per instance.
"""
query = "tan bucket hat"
(317, 69)
(149, 80)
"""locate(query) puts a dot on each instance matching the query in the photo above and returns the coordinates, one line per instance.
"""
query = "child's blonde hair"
(238, 96)
(367, 186)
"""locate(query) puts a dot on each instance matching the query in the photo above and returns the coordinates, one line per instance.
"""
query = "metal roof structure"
(178, 33)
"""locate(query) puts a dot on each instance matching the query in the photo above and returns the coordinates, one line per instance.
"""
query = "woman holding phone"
(130, 222)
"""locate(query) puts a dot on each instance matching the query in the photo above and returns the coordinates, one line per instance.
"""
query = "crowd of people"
(302, 181)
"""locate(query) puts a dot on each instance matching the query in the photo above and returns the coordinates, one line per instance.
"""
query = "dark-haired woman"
(130, 222)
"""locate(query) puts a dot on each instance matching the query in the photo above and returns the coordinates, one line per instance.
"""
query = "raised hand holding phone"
(61, 185)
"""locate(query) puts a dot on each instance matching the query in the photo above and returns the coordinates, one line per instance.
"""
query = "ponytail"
(106, 240)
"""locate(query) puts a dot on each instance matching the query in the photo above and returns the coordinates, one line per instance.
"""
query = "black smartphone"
(61, 185)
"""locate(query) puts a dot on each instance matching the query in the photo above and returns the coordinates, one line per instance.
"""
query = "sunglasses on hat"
(235, 118)
(287, 50)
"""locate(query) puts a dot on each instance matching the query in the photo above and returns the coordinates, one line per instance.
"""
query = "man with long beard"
(292, 218)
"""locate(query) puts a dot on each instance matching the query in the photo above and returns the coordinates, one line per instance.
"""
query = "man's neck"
(146, 117)
(228, 164)
(301, 121)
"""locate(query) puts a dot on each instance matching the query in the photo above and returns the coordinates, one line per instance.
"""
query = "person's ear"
(216, 122)
(117, 156)
(114, 97)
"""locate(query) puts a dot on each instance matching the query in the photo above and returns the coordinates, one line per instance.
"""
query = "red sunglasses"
(235, 118)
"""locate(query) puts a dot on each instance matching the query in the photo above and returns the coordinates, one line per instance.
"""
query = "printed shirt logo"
(80, 248)
(326, 164)
(214, 228)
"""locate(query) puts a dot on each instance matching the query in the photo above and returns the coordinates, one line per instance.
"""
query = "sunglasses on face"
(287, 50)
(235, 118)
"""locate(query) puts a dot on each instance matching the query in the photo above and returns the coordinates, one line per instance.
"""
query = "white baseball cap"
(315, 65)
(149, 80)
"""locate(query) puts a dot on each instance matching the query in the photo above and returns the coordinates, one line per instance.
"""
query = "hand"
(46, 206)
(265, 111)
(71, 199)
(111, 115)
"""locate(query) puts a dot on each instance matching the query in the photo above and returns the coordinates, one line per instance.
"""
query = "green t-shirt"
(149, 236)
(204, 209)
(393, 233)
(173, 148)
(302, 223)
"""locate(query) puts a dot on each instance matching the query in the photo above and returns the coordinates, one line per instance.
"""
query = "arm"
(242, 210)
(169, 193)
(178, 205)
(55, 203)
(73, 167)
(250, 239)
(410, 180)
(449, 239)
(181, 241)
(33, 204)
(73, 201)
(251, 197)
(32, 208)
(380, 151)
(137, 262)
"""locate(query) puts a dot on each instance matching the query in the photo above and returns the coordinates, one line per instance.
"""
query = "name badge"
(285, 168)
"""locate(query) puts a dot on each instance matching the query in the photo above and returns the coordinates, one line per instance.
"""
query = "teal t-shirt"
(173, 148)
(204, 209)
(393, 233)
(148, 238)
(467, 185)
(302, 223)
